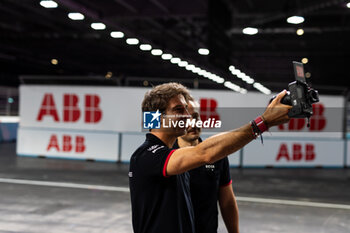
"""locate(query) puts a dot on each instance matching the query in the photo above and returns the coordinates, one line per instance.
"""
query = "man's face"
(176, 111)
(192, 133)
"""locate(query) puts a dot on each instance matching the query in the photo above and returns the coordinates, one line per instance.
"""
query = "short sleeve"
(225, 177)
(155, 160)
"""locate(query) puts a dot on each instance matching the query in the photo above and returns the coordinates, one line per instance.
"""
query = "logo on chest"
(210, 167)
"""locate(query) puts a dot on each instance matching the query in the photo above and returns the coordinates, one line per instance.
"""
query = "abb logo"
(71, 111)
(208, 109)
(67, 145)
(317, 121)
(297, 153)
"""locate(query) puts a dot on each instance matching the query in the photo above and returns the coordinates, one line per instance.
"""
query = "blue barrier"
(8, 132)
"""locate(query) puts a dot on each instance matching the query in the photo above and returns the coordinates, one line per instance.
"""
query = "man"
(159, 186)
(208, 184)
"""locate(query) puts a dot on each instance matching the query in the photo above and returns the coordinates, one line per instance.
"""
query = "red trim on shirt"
(166, 163)
(227, 184)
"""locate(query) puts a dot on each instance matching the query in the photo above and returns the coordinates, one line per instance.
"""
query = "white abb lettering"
(71, 111)
(297, 154)
(67, 145)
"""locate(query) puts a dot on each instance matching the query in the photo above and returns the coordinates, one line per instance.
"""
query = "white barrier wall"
(348, 153)
(68, 144)
(294, 153)
(129, 143)
(101, 113)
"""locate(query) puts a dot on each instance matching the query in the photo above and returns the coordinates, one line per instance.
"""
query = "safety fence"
(118, 147)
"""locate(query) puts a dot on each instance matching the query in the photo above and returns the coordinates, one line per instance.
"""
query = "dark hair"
(159, 96)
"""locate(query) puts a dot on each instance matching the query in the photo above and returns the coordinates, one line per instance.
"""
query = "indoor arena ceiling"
(32, 35)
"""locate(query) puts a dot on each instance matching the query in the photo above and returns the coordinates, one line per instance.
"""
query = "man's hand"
(276, 113)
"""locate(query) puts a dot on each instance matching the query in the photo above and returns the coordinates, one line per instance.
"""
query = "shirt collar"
(153, 138)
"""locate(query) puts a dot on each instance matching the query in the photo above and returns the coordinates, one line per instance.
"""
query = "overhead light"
(211, 76)
(241, 75)
(108, 75)
(307, 75)
(304, 60)
(295, 19)
(48, 4)
(54, 61)
(215, 78)
(250, 31)
(243, 91)
(231, 68)
(203, 51)
(98, 26)
(199, 71)
(236, 72)
(245, 78)
(132, 41)
(145, 47)
(218, 79)
(300, 32)
(117, 34)
(257, 85)
(190, 67)
(250, 80)
(76, 16)
(156, 52)
(196, 70)
(183, 63)
(261, 88)
(348, 5)
(232, 86)
(166, 56)
(175, 60)
(202, 73)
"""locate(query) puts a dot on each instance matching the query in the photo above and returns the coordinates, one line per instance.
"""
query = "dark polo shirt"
(160, 204)
(205, 182)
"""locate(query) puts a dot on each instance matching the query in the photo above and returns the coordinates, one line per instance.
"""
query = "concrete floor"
(38, 208)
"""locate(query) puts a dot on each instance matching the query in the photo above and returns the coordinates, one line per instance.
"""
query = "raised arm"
(223, 144)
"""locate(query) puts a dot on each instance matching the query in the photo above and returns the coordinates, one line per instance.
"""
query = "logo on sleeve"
(151, 120)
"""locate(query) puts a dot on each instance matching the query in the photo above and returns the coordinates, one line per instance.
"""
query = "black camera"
(300, 95)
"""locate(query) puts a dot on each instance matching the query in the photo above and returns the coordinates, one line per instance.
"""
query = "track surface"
(55, 207)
